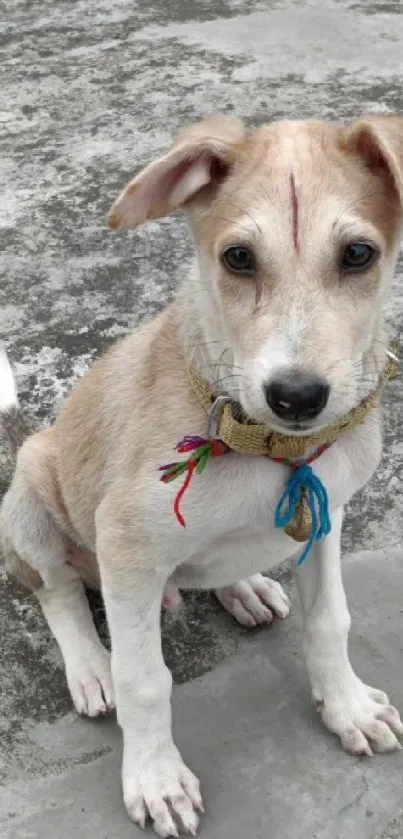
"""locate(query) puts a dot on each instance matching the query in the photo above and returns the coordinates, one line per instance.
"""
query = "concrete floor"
(91, 90)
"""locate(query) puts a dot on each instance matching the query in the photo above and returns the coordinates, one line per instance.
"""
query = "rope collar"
(225, 421)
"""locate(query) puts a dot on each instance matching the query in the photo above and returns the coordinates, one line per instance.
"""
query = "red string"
(295, 464)
(218, 448)
(318, 453)
(191, 467)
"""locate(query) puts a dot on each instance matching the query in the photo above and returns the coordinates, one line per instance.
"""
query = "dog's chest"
(229, 510)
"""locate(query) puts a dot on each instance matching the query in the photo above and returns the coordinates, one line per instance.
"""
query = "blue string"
(304, 478)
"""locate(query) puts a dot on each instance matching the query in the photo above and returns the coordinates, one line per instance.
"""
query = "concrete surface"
(91, 89)
(247, 728)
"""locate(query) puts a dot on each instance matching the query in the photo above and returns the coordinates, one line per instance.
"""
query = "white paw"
(255, 600)
(90, 682)
(165, 790)
(362, 718)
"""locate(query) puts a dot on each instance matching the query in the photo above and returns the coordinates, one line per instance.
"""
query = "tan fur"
(216, 138)
(37, 468)
(23, 572)
(296, 194)
(91, 422)
(96, 442)
(37, 463)
(101, 436)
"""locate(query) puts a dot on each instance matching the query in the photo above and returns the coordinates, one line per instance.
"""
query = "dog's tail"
(11, 420)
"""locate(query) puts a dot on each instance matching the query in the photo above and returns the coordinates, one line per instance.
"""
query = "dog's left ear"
(200, 155)
(379, 141)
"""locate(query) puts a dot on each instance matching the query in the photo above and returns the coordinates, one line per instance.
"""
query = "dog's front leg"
(360, 715)
(156, 782)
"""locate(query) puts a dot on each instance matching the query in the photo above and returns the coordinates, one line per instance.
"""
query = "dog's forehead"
(308, 153)
(296, 179)
(281, 145)
(282, 173)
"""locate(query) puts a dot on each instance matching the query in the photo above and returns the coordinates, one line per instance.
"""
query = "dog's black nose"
(297, 396)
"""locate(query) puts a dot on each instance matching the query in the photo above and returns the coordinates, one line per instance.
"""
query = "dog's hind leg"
(87, 663)
(254, 601)
(37, 552)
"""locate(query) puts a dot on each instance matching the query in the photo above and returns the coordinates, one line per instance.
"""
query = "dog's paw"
(165, 790)
(90, 682)
(255, 600)
(363, 719)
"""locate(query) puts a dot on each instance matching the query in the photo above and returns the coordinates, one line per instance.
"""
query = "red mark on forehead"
(294, 212)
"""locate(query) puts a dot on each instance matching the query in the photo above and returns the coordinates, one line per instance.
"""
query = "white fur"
(240, 540)
(230, 509)
(360, 715)
(8, 391)
(155, 779)
(86, 661)
(255, 600)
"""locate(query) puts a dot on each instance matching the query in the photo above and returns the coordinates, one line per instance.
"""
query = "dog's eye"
(239, 259)
(357, 256)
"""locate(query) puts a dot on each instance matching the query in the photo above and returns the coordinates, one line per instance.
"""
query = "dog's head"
(297, 227)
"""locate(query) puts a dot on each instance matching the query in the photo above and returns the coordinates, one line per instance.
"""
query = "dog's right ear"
(200, 155)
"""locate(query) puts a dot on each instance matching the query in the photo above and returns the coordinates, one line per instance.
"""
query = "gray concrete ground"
(91, 89)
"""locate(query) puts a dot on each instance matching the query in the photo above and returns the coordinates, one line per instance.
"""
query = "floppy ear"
(201, 154)
(379, 140)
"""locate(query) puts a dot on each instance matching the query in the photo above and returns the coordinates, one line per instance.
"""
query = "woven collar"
(252, 438)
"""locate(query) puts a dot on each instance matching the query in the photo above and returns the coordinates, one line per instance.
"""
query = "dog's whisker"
(226, 378)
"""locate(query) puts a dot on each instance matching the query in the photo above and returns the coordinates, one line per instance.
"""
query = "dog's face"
(297, 227)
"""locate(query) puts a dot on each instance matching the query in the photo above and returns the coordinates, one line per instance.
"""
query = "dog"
(296, 227)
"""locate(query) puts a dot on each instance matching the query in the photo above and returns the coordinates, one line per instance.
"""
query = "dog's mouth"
(299, 428)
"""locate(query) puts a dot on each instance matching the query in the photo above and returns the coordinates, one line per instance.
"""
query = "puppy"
(296, 229)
